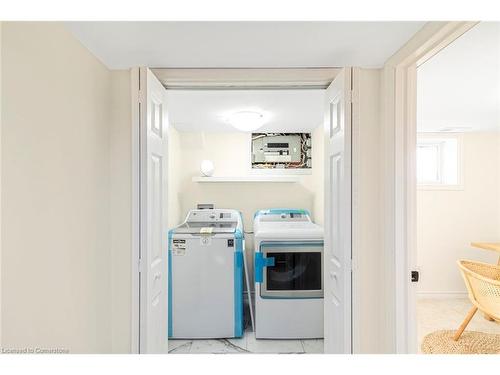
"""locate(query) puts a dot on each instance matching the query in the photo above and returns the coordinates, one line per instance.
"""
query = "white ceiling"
(460, 86)
(243, 44)
(207, 110)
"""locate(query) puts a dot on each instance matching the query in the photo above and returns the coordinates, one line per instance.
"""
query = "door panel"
(293, 271)
(153, 170)
(336, 161)
(156, 116)
(156, 216)
(335, 113)
(337, 270)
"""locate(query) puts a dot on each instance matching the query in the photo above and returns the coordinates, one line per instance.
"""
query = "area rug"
(471, 342)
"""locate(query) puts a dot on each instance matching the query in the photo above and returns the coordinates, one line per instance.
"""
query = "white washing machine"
(205, 259)
(288, 275)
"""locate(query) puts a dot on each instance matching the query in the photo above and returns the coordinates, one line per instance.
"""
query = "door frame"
(135, 321)
(135, 86)
(399, 133)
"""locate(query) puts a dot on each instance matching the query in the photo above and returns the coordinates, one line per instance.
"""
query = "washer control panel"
(215, 215)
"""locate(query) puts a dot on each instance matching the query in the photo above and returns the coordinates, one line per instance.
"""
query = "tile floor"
(247, 344)
(437, 314)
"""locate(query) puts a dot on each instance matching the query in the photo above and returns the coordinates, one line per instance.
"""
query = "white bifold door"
(337, 251)
(153, 335)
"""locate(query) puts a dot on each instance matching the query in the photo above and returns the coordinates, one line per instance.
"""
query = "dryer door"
(296, 272)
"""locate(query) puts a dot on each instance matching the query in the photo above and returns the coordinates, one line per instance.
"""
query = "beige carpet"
(471, 342)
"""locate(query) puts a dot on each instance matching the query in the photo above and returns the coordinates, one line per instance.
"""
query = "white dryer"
(288, 268)
(205, 282)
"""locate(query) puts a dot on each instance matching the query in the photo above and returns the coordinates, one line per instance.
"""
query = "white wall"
(316, 181)
(368, 313)
(120, 211)
(59, 233)
(448, 221)
(230, 155)
(175, 179)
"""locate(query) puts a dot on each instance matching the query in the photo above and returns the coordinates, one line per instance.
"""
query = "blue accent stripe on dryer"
(259, 263)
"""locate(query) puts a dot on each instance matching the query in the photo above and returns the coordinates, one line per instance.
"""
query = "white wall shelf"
(247, 179)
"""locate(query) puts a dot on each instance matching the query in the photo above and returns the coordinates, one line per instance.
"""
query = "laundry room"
(255, 153)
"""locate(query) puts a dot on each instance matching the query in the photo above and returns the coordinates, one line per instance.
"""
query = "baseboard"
(442, 295)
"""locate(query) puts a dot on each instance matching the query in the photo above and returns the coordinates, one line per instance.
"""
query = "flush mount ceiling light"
(246, 120)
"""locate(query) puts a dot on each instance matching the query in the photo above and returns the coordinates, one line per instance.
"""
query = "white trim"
(1, 309)
(356, 333)
(441, 295)
(398, 179)
(134, 261)
(246, 78)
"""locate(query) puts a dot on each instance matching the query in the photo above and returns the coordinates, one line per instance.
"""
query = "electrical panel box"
(281, 150)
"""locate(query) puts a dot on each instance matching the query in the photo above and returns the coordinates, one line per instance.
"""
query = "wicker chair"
(483, 285)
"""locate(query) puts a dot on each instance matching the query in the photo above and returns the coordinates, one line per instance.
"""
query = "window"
(439, 161)
(428, 163)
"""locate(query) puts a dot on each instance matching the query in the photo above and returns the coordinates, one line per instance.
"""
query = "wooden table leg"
(464, 324)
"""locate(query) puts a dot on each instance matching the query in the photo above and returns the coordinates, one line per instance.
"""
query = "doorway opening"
(457, 179)
(458, 174)
(215, 169)
(248, 172)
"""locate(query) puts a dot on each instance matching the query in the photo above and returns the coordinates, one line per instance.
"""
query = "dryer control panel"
(283, 215)
(286, 217)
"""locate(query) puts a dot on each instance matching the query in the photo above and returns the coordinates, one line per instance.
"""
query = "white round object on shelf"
(207, 168)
